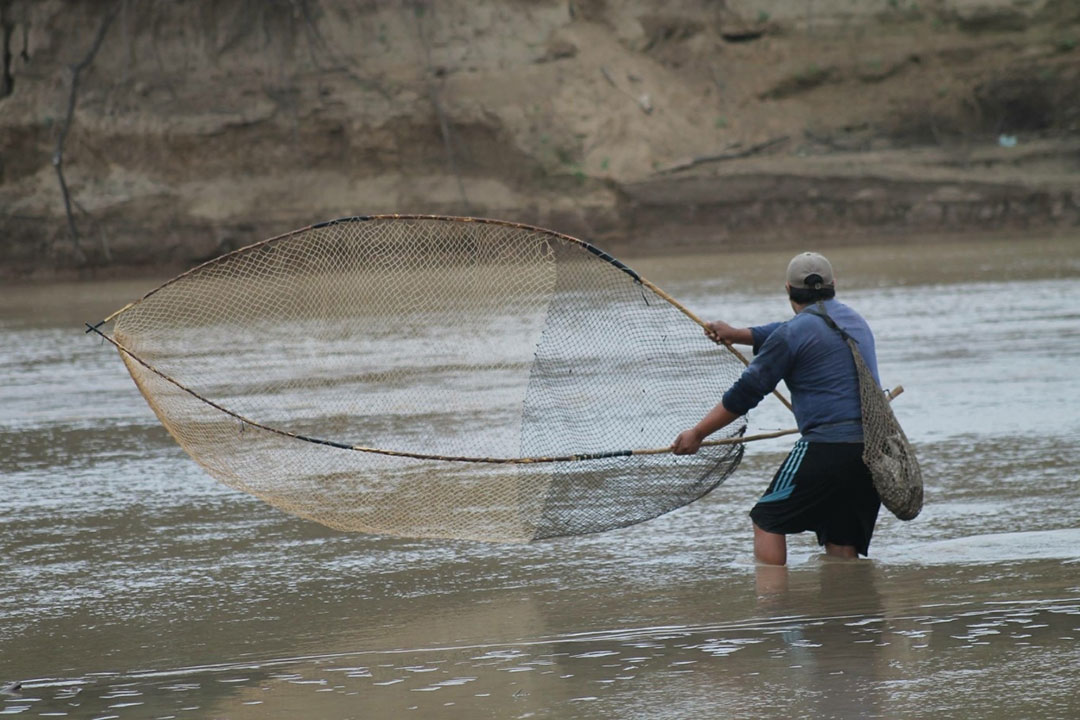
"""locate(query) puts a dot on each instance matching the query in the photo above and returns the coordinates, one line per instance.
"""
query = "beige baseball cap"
(807, 264)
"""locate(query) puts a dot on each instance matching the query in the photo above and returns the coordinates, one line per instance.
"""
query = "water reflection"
(863, 654)
(135, 586)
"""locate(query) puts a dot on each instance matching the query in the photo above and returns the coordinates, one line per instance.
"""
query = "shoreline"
(780, 203)
(631, 250)
(835, 198)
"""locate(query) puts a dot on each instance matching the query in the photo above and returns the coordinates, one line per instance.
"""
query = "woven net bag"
(886, 450)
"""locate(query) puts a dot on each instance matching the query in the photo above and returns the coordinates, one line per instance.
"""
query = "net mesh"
(886, 450)
(443, 338)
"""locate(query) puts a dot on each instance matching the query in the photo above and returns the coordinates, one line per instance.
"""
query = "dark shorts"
(824, 487)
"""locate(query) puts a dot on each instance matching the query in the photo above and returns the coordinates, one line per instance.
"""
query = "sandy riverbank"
(201, 127)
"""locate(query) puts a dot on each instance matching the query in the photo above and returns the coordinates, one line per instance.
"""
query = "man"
(823, 485)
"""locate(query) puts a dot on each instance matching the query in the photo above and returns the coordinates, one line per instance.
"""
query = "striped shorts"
(824, 487)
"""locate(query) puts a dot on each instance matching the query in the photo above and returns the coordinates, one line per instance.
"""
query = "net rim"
(251, 247)
(739, 438)
(588, 247)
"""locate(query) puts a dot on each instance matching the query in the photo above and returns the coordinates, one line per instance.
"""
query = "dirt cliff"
(152, 135)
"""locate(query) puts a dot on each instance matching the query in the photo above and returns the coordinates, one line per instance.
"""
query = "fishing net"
(433, 377)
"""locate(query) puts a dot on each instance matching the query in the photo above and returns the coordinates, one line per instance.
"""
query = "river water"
(135, 586)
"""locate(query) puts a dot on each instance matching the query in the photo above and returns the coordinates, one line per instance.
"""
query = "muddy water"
(136, 586)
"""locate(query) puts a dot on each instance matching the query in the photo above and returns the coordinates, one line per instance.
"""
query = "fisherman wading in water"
(823, 485)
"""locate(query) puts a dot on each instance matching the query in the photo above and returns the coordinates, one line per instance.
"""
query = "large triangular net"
(416, 375)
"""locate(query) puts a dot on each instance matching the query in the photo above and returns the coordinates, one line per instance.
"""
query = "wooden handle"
(686, 311)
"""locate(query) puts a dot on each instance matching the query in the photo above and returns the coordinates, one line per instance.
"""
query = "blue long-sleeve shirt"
(817, 366)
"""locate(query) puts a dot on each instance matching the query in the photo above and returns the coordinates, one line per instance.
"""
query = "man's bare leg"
(841, 551)
(769, 548)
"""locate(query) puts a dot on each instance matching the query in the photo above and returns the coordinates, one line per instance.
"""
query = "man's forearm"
(722, 332)
(688, 441)
(715, 419)
(742, 336)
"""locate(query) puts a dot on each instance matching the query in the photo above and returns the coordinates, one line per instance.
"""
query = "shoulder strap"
(824, 315)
